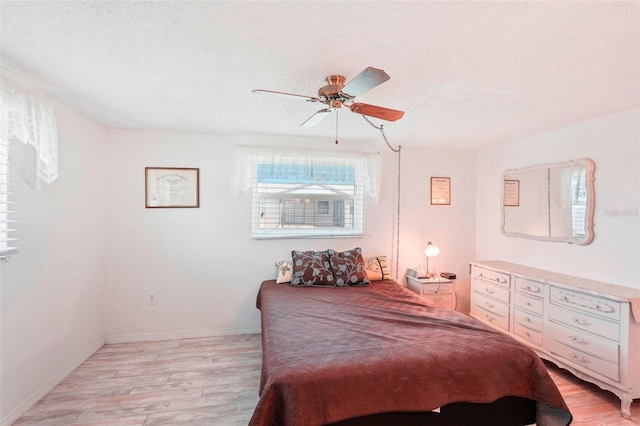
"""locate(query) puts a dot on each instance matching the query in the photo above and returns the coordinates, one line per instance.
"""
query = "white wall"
(613, 143)
(202, 263)
(52, 291)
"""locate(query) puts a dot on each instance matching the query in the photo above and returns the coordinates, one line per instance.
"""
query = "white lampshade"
(431, 250)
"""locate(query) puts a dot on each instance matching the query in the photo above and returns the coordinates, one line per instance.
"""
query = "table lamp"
(430, 251)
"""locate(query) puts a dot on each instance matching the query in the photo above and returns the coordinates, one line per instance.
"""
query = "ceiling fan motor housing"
(332, 91)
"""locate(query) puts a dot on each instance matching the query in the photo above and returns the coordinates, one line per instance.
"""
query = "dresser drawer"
(531, 304)
(533, 336)
(526, 319)
(529, 287)
(490, 317)
(585, 360)
(585, 342)
(490, 304)
(440, 299)
(495, 277)
(491, 290)
(582, 321)
(585, 302)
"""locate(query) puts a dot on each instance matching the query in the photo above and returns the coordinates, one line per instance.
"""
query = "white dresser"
(584, 326)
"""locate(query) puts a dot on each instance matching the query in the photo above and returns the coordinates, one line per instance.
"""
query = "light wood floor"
(214, 381)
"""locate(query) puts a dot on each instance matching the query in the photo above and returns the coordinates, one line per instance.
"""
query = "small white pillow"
(285, 267)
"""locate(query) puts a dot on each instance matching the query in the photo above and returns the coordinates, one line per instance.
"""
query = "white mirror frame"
(590, 177)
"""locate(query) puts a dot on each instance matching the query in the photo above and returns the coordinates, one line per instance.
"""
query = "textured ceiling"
(467, 74)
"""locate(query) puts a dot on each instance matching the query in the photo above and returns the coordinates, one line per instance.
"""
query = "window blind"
(8, 200)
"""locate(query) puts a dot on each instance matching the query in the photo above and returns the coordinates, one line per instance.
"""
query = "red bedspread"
(342, 352)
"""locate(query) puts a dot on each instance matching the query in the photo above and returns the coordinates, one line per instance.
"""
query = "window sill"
(303, 236)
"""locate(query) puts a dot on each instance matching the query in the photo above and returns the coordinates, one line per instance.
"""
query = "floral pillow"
(376, 268)
(348, 267)
(311, 268)
(285, 268)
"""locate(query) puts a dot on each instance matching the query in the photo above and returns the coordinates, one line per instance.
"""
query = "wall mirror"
(550, 202)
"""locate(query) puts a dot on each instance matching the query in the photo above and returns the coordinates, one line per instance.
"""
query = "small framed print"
(441, 191)
(511, 196)
(172, 187)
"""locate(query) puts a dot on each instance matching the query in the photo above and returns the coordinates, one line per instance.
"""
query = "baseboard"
(173, 335)
(36, 396)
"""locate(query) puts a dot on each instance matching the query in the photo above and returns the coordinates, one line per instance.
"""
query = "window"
(8, 199)
(26, 120)
(307, 193)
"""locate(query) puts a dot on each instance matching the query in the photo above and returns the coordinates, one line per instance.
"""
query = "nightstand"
(439, 291)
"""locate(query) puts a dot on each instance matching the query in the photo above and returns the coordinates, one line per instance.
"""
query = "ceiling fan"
(336, 94)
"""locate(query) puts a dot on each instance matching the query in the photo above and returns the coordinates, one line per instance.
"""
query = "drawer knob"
(577, 358)
(534, 289)
(489, 318)
(489, 290)
(583, 323)
(490, 305)
(527, 319)
(579, 340)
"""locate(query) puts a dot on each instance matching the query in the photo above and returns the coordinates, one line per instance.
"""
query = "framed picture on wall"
(172, 187)
(441, 191)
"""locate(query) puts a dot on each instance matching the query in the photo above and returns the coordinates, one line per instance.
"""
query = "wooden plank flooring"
(214, 381)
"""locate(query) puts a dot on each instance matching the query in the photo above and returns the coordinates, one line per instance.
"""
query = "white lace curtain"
(367, 166)
(30, 119)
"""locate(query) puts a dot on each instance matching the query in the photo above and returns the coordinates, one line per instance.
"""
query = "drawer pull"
(577, 358)
(530, 289)
(490, 305)
(527, 319)
(489, 318)
(489, 290)
(498, 279)
(579, 340)
(605, 308)
(528, 334)
(583, 323)
(529, 304)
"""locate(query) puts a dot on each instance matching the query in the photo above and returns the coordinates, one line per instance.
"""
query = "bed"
(380, 355)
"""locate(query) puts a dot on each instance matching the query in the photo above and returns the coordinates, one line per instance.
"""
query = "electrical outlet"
(152, 299)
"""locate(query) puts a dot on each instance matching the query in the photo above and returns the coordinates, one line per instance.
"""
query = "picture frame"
(171, 187)
(441, 191)
(511, 193)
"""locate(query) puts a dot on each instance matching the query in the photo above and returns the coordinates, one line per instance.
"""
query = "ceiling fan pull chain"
(336, 127)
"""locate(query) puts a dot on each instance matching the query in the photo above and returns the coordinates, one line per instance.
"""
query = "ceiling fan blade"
(316, 118)
(377, 112)
(368, 79)
(271, 92)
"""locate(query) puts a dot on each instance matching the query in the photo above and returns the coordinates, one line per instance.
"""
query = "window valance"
(253, 164)
(29, 118)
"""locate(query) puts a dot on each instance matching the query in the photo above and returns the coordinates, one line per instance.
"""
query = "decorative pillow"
(376, 268)
(284, 271)
(348, 267)
(311, 268)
